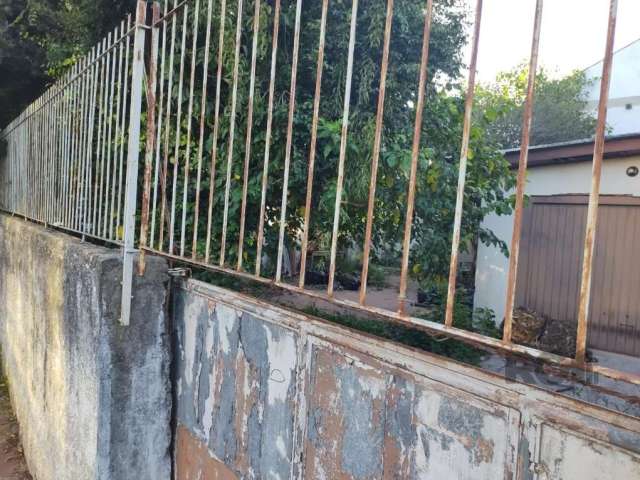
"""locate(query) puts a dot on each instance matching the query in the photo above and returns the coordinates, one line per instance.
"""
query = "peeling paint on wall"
(237, 379)
(267, 393)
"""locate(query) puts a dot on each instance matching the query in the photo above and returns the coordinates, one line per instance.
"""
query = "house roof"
(577, 151)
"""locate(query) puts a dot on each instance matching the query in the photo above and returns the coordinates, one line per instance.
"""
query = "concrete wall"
(92, 397)
(624, 90)
(492, 266)
(262, 392)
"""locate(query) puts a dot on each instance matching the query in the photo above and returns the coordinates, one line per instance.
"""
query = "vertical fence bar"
(156, 175)
(343, 148)
(165, 165)
(187, 161)
(97, 193)
(119, 127)
(267, 144)
(67, 149)
(123, 122)
(75, 96)
(150, 136)
(462, 172)
(232, 127)
(287, 157)
(84, 111)
(133, 153)
(247, 149)
(312, 148)
(176, 153)
(82, 80)
(366, 249)
(109, 139)
(90, 146)
(522, 176)
(216, 127)
(592, 211)
(203, 114)
(105, 140)
(415, 153)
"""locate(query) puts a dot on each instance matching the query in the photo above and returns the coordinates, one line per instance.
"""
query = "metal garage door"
(551, 259)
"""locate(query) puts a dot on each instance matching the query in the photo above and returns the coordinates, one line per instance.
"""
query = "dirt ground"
(12, 463)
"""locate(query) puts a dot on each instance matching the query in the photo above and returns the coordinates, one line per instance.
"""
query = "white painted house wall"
(492, 266)
(623, 114)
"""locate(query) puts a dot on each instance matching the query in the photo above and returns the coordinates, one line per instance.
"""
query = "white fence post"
(133, 154)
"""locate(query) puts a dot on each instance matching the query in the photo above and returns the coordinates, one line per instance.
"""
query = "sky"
(573, 33)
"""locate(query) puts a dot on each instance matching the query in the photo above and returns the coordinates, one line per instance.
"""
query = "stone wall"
(92, 397)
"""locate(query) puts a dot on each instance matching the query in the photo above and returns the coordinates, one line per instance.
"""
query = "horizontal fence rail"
(215, 118)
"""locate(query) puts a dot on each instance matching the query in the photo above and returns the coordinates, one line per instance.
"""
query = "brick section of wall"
(92, 397)
(263, 392)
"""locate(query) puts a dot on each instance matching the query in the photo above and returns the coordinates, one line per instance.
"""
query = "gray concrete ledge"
(93, 398)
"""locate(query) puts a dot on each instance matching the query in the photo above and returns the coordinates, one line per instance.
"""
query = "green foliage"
(560, 108)
(59, 31)
(488, 173)
(41, 39)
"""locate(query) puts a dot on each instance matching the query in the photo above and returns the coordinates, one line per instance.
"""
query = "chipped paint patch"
(359, 412)
(195, 462)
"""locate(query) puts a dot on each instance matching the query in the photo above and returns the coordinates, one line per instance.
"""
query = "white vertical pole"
(133, 154)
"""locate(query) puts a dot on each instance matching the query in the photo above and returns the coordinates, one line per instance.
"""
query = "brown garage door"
(551, 260)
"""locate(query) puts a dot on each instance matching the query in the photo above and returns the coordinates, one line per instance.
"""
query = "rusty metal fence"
(65, 165)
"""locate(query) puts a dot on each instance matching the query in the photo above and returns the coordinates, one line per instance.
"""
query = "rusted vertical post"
(366, 250)
(216, 127)
(287, 155)
(522, 176)
(167, 132)
(151, 134)
(343, 148)
(267, 147)
(592, 211)
(462, 173)
(232, 128)
(203, 114)
(131, 184)
(247, 152)
(187, 156)
(312, 148)
(178, 139)
(415, 152)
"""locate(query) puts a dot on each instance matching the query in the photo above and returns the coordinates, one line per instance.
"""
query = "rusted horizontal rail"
(428, 326)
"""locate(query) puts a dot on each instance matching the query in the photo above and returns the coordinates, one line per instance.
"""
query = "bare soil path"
(12, 463)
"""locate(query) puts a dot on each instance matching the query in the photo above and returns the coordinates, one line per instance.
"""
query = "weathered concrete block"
(93, 398)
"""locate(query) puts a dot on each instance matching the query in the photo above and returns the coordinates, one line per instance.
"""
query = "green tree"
(560, 109)
(488, 173)
(40, 39)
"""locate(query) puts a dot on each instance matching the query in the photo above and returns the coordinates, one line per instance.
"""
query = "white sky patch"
(572, 37)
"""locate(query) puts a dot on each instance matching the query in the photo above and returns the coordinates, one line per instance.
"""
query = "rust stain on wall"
(263, 398)
(194, 462)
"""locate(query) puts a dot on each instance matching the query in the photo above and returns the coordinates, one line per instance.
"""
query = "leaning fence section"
(218, 141)
(66, 154)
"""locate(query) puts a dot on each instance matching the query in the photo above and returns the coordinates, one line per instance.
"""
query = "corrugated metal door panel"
(551, 260)
(615, 308)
